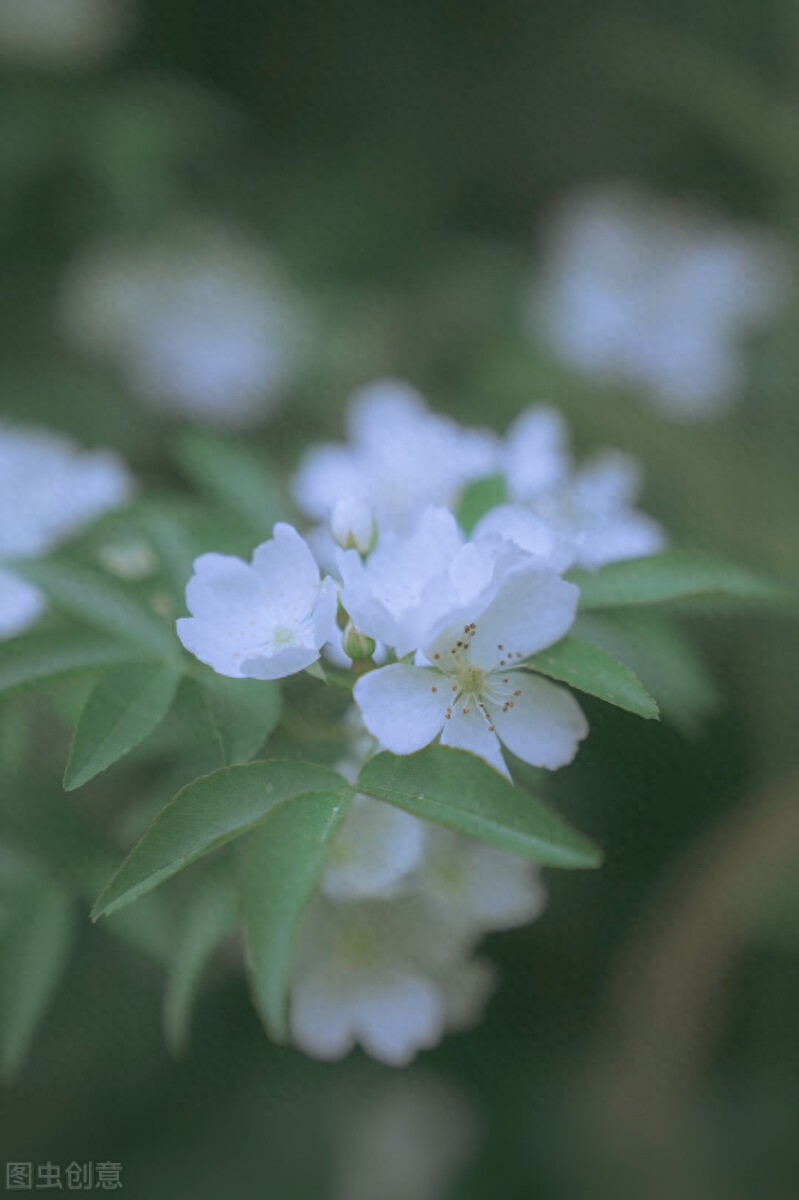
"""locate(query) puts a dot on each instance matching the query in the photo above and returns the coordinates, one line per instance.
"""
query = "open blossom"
(49, 489)
(400, 458)
(62, 33)
(470, 684)
(262, 620)
(196, 321)
(591, 507)
(638, 290)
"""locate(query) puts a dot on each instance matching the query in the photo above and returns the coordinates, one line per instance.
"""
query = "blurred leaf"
(98, 599)
(458, 790)
(662, 657)
(285, 861)
(672, 575)
(208, 917)
(125, 706)
(243, 711)
(479, 498)
(206, 814)
(35, 939)
(593, 670)
(40, 657)
(236, 477)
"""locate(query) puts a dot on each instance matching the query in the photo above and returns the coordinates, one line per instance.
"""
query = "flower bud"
(352, 525)
(356, 645)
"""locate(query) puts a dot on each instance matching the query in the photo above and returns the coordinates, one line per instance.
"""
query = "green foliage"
(243, 713)
(671, 576)
(124, 707)
(285, 861)
(40, 657)
(593, 670)
(36, 924)
(206, 814)
(95, 598)
(208, 916)
(458, 790)
(234, 475)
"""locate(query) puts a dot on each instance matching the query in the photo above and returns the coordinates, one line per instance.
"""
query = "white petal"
(321, 1018)
(287, 661)
(545, 724)
(20, 604)
(373, 851)
(402, 706)
(532, 609)
(530, 531)
(326, 473)
(399, 1015)
(470, 731)
(324, 615)
(627, 535)
(536, 455)
(220, 583)
(213, 642)
(288, 574)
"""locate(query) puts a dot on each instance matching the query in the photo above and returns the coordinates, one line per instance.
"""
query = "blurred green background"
(398, 160)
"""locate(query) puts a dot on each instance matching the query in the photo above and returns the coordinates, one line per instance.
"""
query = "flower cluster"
(639, 291)
(386, 950)
(195, 320)
(48, 490)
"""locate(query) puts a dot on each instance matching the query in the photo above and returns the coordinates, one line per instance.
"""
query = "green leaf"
(670, 576)
(244, 712)
(594, 671)
(207, 919)
(479, 498)
(35, 937)
(206, 814)
(98, 599)
(124, 707)
(661, 656)
(41, 657)
(285, 861)
(459, 790)
(235, 476)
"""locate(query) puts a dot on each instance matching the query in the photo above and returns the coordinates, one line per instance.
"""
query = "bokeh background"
(399, 164)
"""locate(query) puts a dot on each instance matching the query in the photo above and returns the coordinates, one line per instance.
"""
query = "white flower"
(585, 515)
(640, 291)
(352, 525)
(372, 973)
(373, 852)
(49, 489)
(259, 621)
(401, 458)
(477, 886)
(68, 33)
(196, 321)
(474, 689)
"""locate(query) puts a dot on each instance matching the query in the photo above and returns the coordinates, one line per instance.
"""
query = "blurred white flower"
(374, 851)
(400, 458)
(49, 489)
(590, 509)
(62, 33)
(407, 1140)
(469, 683)
(196, 320)
(262, 620)
(640, 291)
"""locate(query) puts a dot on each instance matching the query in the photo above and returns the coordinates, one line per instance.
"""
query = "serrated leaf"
(235, 476)
(41, 657)
(479, 498)
(206, 814)
(593, 670)
(124, 707)
(34, 946)
(671, 576)
(458, 790)
(98, 599)
(662, 657)
(244, 712)
(285, 861)
(207, 919)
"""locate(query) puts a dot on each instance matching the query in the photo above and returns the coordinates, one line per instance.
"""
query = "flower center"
(282, 635)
